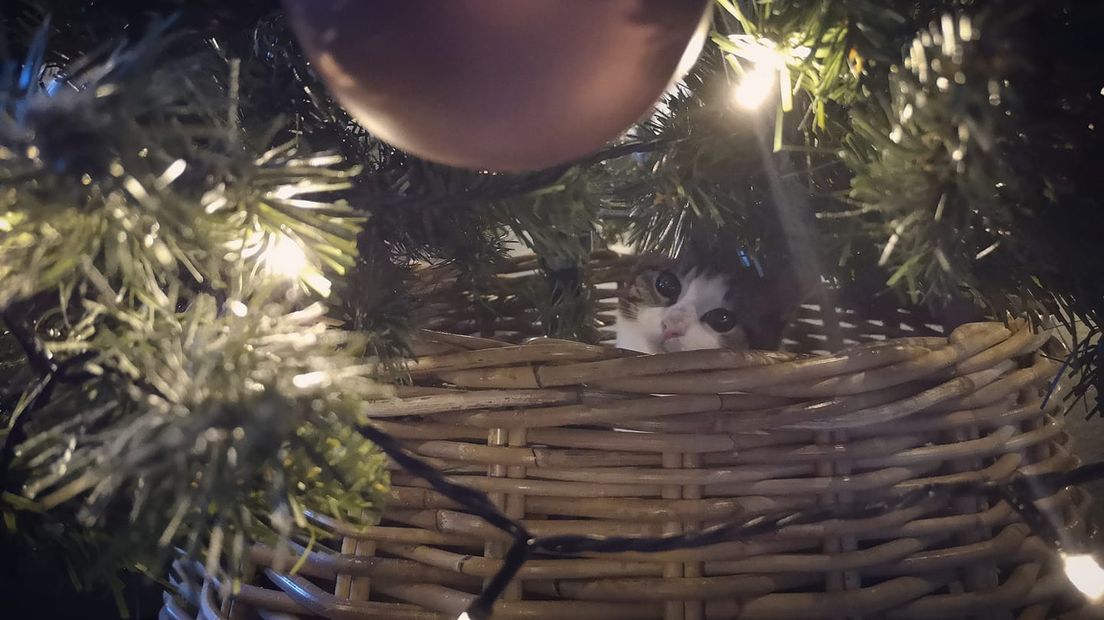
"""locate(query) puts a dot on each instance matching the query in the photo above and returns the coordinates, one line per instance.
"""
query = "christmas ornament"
(499, 84)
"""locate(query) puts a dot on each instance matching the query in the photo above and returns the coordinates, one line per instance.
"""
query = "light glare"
(238, 308)
(285, 257)
(308, 380)
(768, 62)
(757, 83)
(756, 86)
(1086, 574)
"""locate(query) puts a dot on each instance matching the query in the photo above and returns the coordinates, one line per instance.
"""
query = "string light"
(308, 380)
(285, 257)
(756, 86)
(767, 64)
(768, 72)
(1085, 573)
(1083, 570)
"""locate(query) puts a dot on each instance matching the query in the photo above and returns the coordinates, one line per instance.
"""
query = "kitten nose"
(673, 325)
(669, 333)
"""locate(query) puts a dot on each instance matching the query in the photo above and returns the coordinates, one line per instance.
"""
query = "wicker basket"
(573, 438)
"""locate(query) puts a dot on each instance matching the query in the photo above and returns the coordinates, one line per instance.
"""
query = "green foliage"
(685, 190)
(945, 135)
(927, 163)
(69, 192)
(976, 173)
(809, 39)
(830, 49)
(77, 191)
(557, 221)
(201, 427)
(153, 250)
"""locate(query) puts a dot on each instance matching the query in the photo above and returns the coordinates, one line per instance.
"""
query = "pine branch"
(227, 388)
(19, 325)
(628, 148)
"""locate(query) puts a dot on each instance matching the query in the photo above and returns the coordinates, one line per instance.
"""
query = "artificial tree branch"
(36, 396)
(40, 360)
(516, 187)
(621, 150)
(22, 330)
(523, 185)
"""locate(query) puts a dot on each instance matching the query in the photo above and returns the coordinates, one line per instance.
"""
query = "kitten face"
(667, 306)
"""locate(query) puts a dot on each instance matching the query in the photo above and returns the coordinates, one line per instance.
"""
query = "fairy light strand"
(1083, 569)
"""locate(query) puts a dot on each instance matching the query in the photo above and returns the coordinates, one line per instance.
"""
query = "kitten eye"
(719, 319)
(667, 284)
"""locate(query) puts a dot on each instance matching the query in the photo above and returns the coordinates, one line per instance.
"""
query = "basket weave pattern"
(576, 438)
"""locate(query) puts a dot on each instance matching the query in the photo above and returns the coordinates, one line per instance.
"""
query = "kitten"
(682, 305)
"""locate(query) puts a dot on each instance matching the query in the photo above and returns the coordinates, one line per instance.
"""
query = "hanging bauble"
(499, 84)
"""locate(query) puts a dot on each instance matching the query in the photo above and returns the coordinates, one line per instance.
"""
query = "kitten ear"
(647, 264)
(765, 334)
(689, 256)
(792, 286)
(787, 290)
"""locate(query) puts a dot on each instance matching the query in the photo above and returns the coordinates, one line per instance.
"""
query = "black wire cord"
(1020, 492)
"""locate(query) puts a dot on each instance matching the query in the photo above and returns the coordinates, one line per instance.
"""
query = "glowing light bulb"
(768, 64)
(308, 380)
(464, 616)
(756, 86)
(1086, 574)
(238, 308)
(285, 257)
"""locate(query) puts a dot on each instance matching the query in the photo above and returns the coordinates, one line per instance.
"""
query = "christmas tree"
(208, 268)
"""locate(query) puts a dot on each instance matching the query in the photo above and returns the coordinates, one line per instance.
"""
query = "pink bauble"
(499, 84)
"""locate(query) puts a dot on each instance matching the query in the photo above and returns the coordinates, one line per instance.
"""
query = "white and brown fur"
(648, 321)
